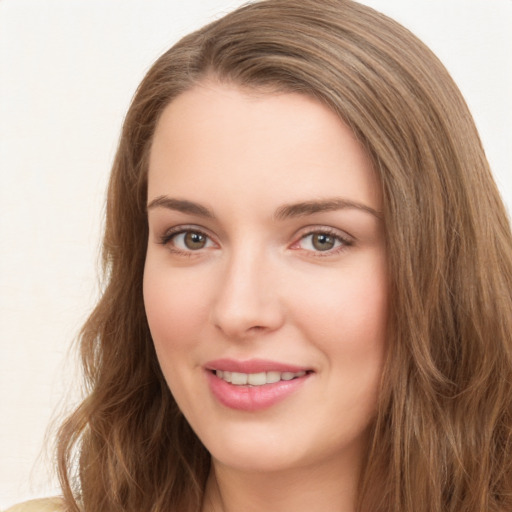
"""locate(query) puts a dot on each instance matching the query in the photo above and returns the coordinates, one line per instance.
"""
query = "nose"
(247, 301)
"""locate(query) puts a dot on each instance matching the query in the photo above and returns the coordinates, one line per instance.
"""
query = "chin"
(256, 461)
(248, 450)
(266, 451)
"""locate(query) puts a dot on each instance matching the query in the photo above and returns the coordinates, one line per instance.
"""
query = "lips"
(253, 385)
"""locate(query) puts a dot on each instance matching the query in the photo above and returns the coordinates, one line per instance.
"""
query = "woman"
(309, 282)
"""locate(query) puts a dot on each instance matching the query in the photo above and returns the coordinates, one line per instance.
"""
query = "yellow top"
(40, 505)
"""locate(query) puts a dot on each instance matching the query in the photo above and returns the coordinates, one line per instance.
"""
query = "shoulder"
(41, 505)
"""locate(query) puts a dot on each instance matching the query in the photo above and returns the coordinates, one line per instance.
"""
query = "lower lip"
(252, 398)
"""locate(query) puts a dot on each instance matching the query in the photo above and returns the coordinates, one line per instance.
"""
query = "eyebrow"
(284, 212)
(324, 205)
(181, 205)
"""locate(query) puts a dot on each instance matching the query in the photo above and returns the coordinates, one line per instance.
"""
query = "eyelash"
(344, 241)
(180, 230)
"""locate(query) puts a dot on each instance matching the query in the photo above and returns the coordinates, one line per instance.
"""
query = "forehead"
(217, 137)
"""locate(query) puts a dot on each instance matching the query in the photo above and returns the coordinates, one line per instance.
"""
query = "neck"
(331, 488)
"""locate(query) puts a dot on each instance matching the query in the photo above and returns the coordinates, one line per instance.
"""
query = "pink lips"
(252, 398)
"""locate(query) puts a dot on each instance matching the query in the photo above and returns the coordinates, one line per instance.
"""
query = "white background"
(68, 69)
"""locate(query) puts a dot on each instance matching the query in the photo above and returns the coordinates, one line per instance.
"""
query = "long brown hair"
(441, 439)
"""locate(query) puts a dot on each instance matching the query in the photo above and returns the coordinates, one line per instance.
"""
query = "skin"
(259, 287)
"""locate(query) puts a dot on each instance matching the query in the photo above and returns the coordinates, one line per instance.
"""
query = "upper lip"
(253, 366)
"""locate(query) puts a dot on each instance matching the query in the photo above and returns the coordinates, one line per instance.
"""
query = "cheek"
(346, 319)
(348, 307)
(355, 345)
(175, 307)
(176, 313)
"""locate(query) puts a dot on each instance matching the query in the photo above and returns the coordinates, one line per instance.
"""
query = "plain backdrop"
(68, 69)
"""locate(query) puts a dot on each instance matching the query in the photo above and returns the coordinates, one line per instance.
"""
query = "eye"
(192, 240)
(320, 242)
(327, 242)
(187, 240)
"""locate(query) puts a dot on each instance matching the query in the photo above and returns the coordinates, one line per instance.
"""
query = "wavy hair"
(441, 439)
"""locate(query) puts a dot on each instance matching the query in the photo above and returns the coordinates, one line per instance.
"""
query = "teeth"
(257, 379)
(273, 377)
(238, 379)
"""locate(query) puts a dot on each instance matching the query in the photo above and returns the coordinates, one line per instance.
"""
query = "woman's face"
(265, 282)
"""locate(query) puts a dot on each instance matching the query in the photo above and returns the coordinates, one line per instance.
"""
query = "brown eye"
(194, 240)
(187, 241)
(323, 241)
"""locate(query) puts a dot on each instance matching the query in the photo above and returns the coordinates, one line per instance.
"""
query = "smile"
(254, 385)
(257, 379)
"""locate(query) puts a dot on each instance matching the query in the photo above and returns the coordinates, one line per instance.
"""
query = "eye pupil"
(323, 242)
(194, 240)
